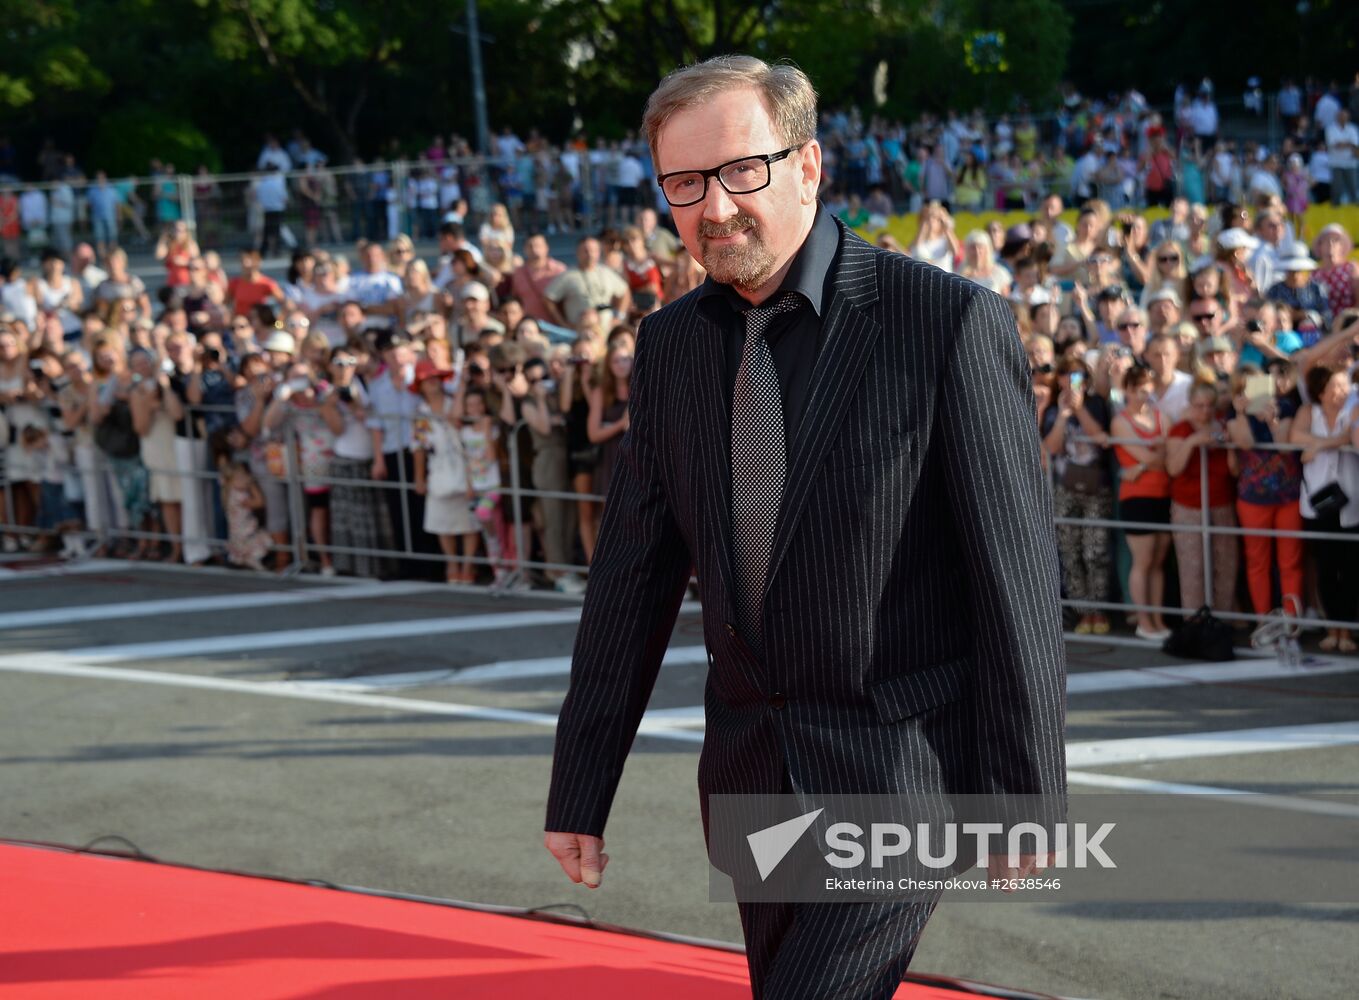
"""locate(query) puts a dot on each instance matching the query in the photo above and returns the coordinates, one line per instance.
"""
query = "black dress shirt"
(795, 337)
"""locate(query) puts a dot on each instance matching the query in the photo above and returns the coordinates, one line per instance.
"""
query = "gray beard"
(746, 267)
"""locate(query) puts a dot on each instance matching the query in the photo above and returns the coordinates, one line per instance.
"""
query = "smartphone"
(1259, 393)
(1077, 380)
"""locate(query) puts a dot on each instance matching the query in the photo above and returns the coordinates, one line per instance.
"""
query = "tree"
(42, 64)
(327, 54)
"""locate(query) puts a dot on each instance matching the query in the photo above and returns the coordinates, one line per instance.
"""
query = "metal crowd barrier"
(1205, 530)
(300, 547)
(518, 565)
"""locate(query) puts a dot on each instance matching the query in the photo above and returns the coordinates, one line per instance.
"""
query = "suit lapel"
(714, 421)
(850, 333)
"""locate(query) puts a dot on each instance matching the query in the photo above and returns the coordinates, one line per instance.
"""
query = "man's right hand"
(581, 856)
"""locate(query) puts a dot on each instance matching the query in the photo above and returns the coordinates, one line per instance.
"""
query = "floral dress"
(247, 542)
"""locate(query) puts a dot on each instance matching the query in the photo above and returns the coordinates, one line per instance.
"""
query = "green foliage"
(125, 140)
(132, 79)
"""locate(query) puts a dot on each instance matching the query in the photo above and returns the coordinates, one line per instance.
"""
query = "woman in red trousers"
(1267, 490)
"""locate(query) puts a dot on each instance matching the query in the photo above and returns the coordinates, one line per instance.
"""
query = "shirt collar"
(808, 275)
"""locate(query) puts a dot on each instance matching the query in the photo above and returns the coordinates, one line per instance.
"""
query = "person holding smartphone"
(1075, 433)
(1268, 487)
(1185, 446)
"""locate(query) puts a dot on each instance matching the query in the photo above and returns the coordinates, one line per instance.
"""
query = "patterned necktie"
(758, 463)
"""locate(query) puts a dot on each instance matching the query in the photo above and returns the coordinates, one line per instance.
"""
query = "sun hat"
(282, 342)
(425, 370)
(1236, 238)
(1297, 258)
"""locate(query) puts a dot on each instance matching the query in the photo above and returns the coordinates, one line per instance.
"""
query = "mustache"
(736, 224)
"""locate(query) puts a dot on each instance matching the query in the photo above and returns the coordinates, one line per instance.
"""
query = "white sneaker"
(1152, 636)
(569, 584)
(327, 570)
(10, 544)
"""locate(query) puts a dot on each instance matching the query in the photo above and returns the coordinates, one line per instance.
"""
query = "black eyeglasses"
(745, 175)
(1130, 326)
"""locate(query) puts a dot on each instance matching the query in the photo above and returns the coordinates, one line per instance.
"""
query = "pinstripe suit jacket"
(912, 631)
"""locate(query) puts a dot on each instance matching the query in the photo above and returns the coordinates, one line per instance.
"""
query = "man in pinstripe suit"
(905, 634)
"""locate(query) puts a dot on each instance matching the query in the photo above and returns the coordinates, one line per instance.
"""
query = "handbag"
(1083, 479)
(1328, 500)
(587, 458)
(276, 459)
(115, 436)
(1201, 637)
(448, 472)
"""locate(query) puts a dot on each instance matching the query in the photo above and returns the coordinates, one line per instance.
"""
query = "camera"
(1253, 326)
(345, 393)
(212, 354)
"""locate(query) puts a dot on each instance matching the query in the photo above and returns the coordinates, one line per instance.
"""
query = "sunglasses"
(508, 371)
(1200, 317)
(1130, 326)
(1169, 259)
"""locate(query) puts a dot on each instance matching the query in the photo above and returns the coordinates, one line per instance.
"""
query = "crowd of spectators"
(366, 419)
(1119, 150)
(1213, 335)
(370, 417)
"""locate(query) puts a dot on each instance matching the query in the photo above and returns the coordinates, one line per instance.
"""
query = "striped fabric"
(913, 638)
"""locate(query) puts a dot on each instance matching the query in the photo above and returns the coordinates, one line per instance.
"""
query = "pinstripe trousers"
(830, 951)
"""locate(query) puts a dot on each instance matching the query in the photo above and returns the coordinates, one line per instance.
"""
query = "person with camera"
(1075, 432)
(391, 419)
(156, 410)
(293, 417)
(358, 517)
(20, 407)
(1329, 499)
(582, 454)
(543, 412)
(267, 460)
(1143, 496)
(441, 473)
(1268, 488)
(110, 410)
(1201, 429)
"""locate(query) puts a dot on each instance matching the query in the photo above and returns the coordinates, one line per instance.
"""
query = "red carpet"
(88, 926)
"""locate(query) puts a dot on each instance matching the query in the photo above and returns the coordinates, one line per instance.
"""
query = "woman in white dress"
(155, 409)
(441, 474)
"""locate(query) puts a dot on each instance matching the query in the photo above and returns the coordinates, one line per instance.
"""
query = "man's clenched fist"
(581, 856)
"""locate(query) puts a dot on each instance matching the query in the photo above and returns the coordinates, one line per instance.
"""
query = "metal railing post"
(516, 502)
(406, 536)
(297, 505)
(1204, 522)
(187, 210)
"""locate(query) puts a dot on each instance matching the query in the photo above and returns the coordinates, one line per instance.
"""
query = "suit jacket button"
(777, 700)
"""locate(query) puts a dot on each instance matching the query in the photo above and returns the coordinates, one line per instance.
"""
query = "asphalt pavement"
(399, 737)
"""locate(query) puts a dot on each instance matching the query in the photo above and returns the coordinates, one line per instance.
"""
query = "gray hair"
(787, 93)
